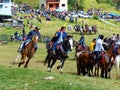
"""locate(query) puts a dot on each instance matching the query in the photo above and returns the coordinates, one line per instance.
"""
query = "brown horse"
(106, 61)
(84, 60)
(28, 51)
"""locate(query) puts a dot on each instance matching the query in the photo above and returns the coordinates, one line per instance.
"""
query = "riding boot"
(64, 54)
(20, 47)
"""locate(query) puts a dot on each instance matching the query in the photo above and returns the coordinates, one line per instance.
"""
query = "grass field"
(14, 78)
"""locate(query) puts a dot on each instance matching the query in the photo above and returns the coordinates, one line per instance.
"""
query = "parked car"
(74, 14)
(83, 15)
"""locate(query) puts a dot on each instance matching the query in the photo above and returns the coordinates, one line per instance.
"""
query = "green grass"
(32, 79)
(14, 78)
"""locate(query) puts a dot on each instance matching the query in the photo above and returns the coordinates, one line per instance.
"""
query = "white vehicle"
(73, 14)
(84, 15)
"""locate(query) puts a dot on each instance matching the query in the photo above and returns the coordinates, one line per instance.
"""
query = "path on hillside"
(107, 22)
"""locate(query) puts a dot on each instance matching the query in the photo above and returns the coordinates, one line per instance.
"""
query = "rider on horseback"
(29, 38)
(99, 47)
(81, 41)
(60, 37)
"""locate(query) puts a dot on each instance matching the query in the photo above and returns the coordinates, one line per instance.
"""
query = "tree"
(118, 5)
(76, 4)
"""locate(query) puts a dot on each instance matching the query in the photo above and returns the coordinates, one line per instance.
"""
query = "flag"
(65, 24)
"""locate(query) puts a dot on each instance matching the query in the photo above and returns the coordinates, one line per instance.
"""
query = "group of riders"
(60, 36)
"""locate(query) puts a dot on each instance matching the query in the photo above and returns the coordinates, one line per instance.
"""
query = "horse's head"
(35, 39)
(68, 43)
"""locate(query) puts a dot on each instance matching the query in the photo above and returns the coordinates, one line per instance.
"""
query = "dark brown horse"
(106, 61)
(84, 60)
(28, 51)
(52, 58)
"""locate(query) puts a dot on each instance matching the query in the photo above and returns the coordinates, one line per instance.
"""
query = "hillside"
(87, 4)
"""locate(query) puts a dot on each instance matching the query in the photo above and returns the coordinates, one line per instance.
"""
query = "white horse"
(117, 66)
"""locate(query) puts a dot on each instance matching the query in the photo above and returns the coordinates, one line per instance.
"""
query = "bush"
(95, 17)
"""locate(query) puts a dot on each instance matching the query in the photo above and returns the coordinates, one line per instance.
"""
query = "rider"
(92, 44)
(29, 38)
(60, 37)
(81, 41)
(99, 47)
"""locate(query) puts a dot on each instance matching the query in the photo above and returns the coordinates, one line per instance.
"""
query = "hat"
(101, 36)
(36, 28)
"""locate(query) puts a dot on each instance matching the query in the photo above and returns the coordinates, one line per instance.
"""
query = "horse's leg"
(26, 64)
(49, 57)
(78, 68)
(49, 66)
(89, 70)
(109, 75)
(46, 59)
(83, 70)
(61, 66)
(106, 72)
(53, 62)
(97, 69)
(102, 72)
(22, 60)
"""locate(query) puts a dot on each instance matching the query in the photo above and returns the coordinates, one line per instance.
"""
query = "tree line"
(78, 4)
(74, 4)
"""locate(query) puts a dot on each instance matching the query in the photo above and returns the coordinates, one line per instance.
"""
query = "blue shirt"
(32, 33)
(81, 41)
(61, 36)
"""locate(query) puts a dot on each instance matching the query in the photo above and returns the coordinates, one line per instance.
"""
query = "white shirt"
(99, 46)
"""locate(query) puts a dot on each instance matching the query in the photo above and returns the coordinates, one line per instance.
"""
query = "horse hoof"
(18, 65)
(25, 66)
(61, 72)
(49, 70)
(58, 67)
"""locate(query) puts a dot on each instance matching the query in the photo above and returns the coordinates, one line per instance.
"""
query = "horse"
(52, 58)
(28, 51)
(117, 63)
(84, 60)
(106, 61)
